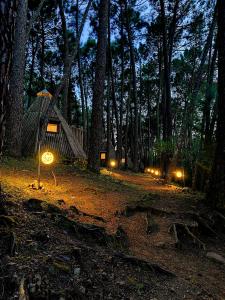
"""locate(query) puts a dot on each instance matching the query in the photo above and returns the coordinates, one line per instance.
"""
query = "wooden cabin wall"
(79, 134)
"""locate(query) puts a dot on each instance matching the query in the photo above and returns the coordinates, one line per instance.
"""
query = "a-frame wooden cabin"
(58, 137)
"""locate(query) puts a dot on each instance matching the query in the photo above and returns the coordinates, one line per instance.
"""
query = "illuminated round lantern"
(156, 172)
(148, 170)
(152, 171)
(47, 158)
(112, 163)
(179, 174)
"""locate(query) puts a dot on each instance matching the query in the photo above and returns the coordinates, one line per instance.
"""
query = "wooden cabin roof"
(64, 142)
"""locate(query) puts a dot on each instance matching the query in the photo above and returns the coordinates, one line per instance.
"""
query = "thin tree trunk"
(209, 98)
(127, 126)
(34, 51)
(120, 133)
(108, 120)
(42, 59)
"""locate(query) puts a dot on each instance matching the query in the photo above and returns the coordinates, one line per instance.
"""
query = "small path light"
(112, 163)
(156, 172)
(47, 158)
(180, 175)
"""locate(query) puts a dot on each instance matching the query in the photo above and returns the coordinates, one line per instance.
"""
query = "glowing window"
(53, 128)
(103, 155)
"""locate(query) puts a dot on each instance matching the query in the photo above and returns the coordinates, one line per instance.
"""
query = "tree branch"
(34, 17)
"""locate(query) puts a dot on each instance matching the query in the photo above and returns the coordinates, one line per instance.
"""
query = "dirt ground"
(107, 196)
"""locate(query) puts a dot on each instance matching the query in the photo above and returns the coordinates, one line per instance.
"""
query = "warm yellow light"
(113, 163)
(103, 156)
(51, 127)
(47, 158)
(148, 170)
(179, 174)
(156, 172)
(152, 171)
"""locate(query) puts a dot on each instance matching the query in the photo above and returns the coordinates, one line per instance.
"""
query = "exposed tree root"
(180, 229)
(151, 225)
(145, 264)
(82, 213)
(200, 243)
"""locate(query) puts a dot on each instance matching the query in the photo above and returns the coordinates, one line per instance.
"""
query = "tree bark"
(120, 133)
(7, 10)
(216, 192)
(134, 87)
(65, 104)
(14, 126)
(98, 93)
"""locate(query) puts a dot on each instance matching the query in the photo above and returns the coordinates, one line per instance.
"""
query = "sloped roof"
(65, 140)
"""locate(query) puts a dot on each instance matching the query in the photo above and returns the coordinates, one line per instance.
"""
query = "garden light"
(156, 172)
(47, 158)
(179, 174)
(112, 163)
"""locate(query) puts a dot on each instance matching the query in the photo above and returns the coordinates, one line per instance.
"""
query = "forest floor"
(126, 213)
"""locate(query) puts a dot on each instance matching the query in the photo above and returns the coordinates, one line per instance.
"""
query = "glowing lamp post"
(47, 158)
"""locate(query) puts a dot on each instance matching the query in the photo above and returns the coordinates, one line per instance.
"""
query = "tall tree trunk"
(98, 93)
(113, 95)
(65, 104)
(108, 120)
(34, 51)
(216, 192)
(14, 127)
(83, 109)
(167, 119)
(120, 133)
(134, 87)
(42, 57)
(7, 9)
(126, 148)
(209, 98)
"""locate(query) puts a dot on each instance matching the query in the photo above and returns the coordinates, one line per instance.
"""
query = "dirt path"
(105, 196)
(190, 263)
